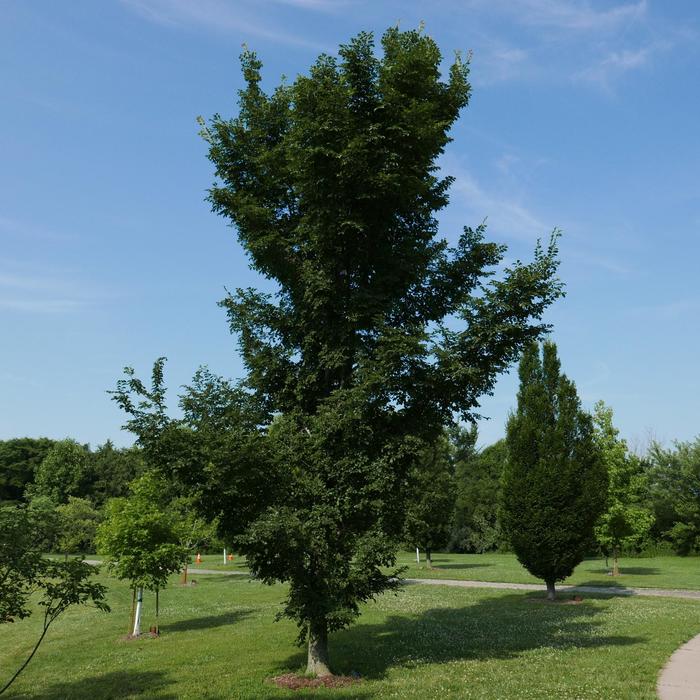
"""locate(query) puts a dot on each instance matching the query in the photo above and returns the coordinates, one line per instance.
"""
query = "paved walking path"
(680, 677)
(606, 590)
(197, 570)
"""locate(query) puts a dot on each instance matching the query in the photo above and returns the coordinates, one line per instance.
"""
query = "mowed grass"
(219, 641)
(651, 572)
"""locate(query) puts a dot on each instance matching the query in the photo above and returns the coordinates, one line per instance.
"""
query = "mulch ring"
(291, 681)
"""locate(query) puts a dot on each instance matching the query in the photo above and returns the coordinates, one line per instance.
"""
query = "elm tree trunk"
(551, 592)
(318, 662)
(429, 559)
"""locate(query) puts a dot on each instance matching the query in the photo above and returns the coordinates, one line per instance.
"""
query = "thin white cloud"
(506, 215)
(670, 310)
(497, 63)
(567, 14)
(217, 15)
(614, 65)
(321, 5)
(44, 306)
(23, 229)
(25, 288)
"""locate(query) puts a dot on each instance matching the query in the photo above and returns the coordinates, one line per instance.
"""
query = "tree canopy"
(430, 505)
(628, 518)
(675, 475)
(377, 334)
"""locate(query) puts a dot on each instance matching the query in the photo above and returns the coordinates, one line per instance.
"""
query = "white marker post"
(417, 555)
(224, 556)
(137, 617)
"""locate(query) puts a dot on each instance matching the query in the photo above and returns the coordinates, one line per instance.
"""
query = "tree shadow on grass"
(459, 566)
(614, 584)
(208, 622)
(501, 627)
(630, 570)
(115, 686)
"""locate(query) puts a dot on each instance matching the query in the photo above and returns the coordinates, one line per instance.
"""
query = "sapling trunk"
(133, 610)
(183, 577)
(137, 617)
(616, 564)
(551, 591)
(318, 663)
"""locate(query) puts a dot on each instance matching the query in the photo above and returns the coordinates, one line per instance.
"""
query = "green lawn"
(656, 572)
(219, 641)
(652, 572)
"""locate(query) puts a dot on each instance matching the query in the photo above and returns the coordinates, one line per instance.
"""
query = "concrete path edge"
(680, 677)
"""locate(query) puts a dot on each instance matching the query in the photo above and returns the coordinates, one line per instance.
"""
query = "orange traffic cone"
(198, 558)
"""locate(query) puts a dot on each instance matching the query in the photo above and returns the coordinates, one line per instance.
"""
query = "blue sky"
(584, 116)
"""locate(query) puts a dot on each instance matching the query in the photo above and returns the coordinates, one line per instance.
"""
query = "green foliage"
(675, 474)
(64, 472)
(627, 521)
(478, 479)
(352, 367)
(555, 483)
(24, 572)
(42, 509)
(19, 459)
(195, 532)
(78, 521)
(431, 504)
(113, 469)
(140, 535)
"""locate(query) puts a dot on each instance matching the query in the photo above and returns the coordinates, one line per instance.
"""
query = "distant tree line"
(652, 504)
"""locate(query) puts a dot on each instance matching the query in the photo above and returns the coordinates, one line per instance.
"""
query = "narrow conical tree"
(554, 483)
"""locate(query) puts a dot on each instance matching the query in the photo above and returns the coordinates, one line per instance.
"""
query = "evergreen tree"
(19, 459)
(113, 469)
(627, 519)
(352, 368)
(555, 483)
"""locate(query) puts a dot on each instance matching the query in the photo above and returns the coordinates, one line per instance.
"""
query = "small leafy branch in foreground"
(24, 572)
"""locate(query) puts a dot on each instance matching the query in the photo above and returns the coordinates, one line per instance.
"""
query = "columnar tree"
(554, 483)
(627, 518)
(377, 333)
